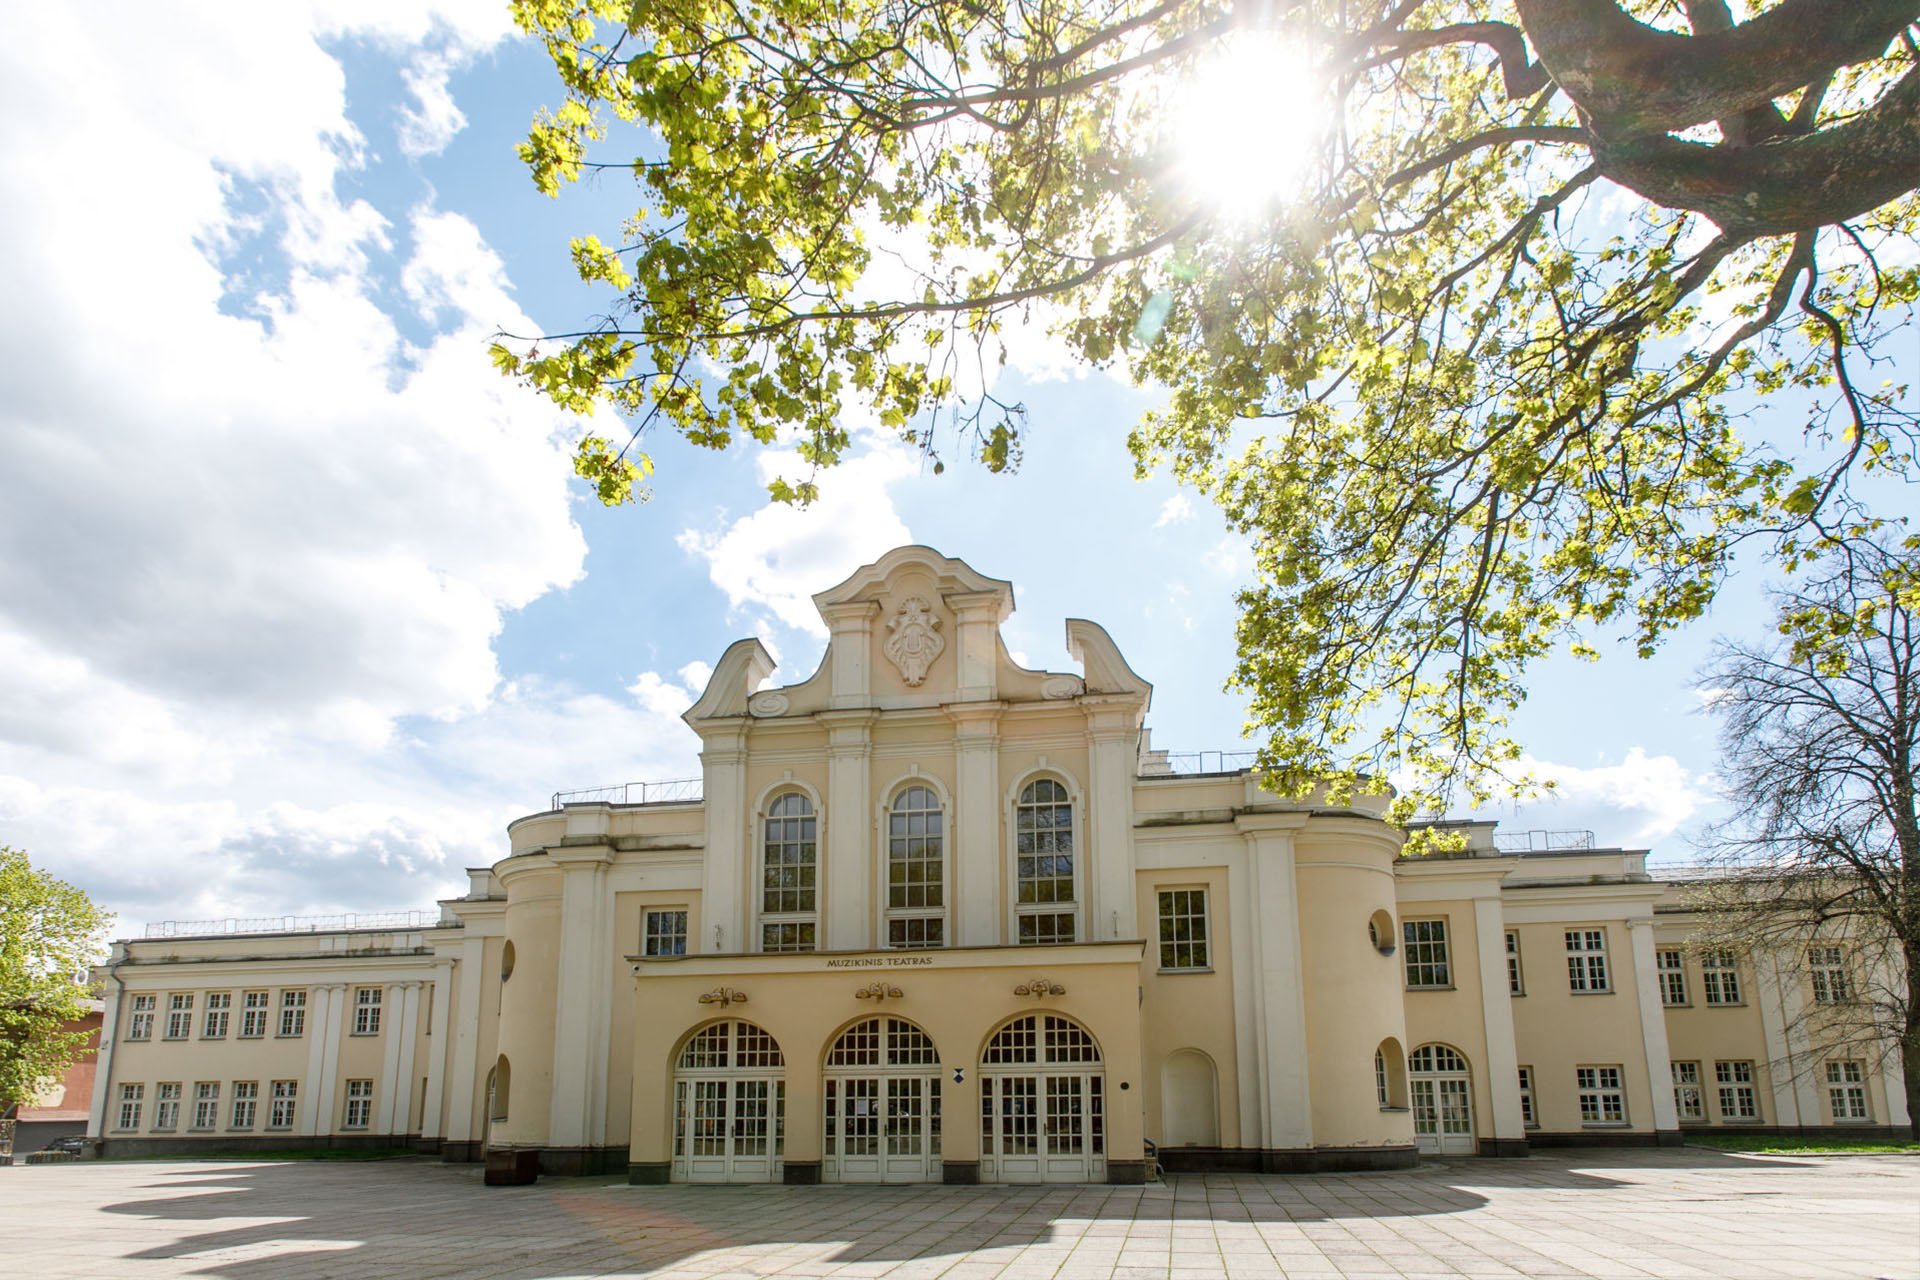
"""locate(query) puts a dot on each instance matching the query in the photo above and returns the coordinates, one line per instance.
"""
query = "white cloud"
(1641, 802)
(258, 531)
(774, 559)
(1175, 510)
(426, 128)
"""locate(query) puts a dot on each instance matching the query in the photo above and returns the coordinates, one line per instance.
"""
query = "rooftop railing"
(1541, 841)
(1192, 762)
(672, 791)
(294, 924)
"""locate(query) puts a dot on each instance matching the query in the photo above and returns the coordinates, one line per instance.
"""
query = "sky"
(299, 601)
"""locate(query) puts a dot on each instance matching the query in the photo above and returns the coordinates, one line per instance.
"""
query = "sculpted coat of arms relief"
(913, 639)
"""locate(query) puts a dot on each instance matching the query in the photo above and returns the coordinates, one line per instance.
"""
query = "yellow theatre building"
(930, 916)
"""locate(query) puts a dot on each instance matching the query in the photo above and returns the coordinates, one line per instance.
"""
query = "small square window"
(1183, 929)
(665, 932)
(1603, 1098)
(1425, 945)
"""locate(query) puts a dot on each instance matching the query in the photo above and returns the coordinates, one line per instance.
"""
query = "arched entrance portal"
(1442, 1093)
(1043, 1114)
(729, 1106)
(882, 1086)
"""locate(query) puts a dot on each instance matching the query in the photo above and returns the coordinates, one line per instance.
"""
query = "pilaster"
(583, 1007)
(463, 1066)
(977, 863)
(1653, 1025)
(1496, 1012)
(725, 871)
(1280, 1013)
(977, 618)
(439, 1050)
(402, 1000)
(323, 1057)
(103, 1062)
(1113, 752)
(850, 647)
(845, 895)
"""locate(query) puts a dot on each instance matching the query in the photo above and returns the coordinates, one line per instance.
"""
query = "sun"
(1246, 124)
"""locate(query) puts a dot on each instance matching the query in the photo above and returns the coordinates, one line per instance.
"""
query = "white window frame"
(1173, 905)
(1670, 965)
(283, 1104)
(1847, 1096)
(1688, 1084)
(1430, 954)
(803, 922)
(1735, 1091)
(366, 1011)
(1603, 1095)
(359, 1109)
(256, 1011)
(659, 931)
(1048, 909)
(213, 1023)
(1827, 970)
(131, 1096)
(179, 1016)
(293, 1013)
(246, 1101)
(140, 1025)
(1720, 978)
(1529, 1111)
(166, 1106)
(1516, 975)
(921, 926)
(206, 1104)
(1587, 973)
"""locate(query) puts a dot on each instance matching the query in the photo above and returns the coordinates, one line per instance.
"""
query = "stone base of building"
(513, 1167)
(1285, 1159)
(1821, 1132)
(115, 1148)
(800, 1173)
(581, 1162)
(650, 1173)
(960, 1173)
(1604, 1138)
(462, 1152)
(1505, 1148)
(1126, 1173)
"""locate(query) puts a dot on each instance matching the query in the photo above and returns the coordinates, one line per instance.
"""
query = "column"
(849, 651)
(463, 1034)
(581, 998)
(846, 878)
(976, 860)
(439, 1050)
(1280, 1013)
(1796, 1100)
(977, 616)
(402, 1000)
(1113, 747)
(324, 1004)
(1496, 1012)
(724, 870)
(103, 1060)
(1653, 1026)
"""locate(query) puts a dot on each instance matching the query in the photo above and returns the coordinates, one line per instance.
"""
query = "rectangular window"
(665, 933)
(1183, 929)
(916, 869)
(285, 1098)
(1687, 1097)
(245, 1094)
(1516, 985)
(1735, 1082)
(1587, 960)
(1847, 1091)
(1719, 978)
(253, 1014)
(206, 1104)
(1828, 969)
(215, 1025)
(1602, 1099)
(1528, 1116)
(1044, 893)
(789, 870)
(130, 1095)
(366, 1011)
(179, 1016)
(166, 1106)
(1673, 976)
(141, 1027)
(792, 936)
(293, 1012)
(359, 1104)
(1426, 948)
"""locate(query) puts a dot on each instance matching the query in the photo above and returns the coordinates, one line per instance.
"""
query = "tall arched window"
(789, 878)
(916, 870)
(1043, 854)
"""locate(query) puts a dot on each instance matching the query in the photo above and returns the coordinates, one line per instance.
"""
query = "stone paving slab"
(1604, 1215)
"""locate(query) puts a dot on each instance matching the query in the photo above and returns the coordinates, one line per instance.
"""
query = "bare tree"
(1821, 859)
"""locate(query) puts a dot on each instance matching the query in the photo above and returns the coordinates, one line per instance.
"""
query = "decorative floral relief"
(914, 641)
(1061, 687)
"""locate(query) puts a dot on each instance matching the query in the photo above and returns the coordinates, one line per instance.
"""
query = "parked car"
(72, 1145)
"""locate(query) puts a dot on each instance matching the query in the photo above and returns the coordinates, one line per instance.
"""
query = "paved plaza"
(1559, 1214)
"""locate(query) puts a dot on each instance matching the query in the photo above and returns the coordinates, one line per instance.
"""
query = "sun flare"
(1246, 123)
